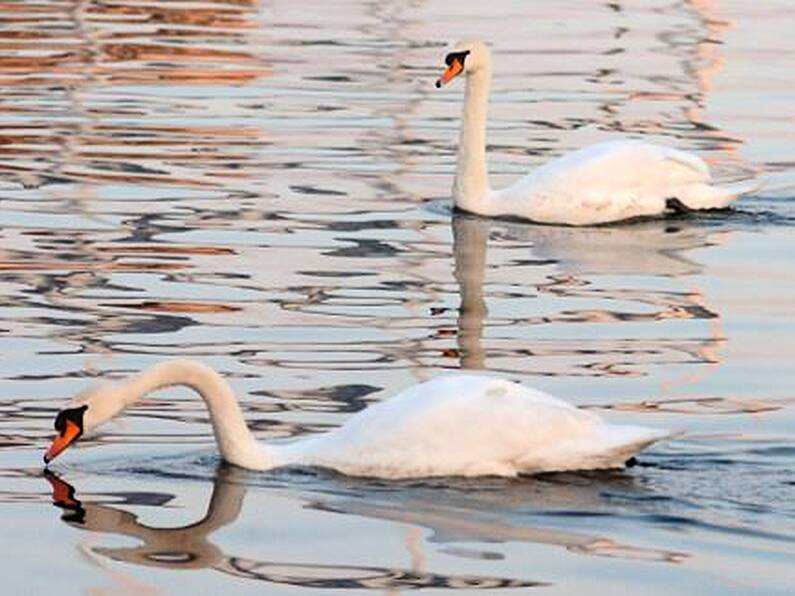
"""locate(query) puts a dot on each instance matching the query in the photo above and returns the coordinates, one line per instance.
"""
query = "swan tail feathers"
(609, 446)
(618, 443)
(706, 196)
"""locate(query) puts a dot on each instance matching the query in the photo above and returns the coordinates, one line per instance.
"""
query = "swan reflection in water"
(463, 515)
(652, 249)
(189, 547)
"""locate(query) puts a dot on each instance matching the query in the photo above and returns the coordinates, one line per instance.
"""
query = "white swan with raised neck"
(463, 425)
(606, 182)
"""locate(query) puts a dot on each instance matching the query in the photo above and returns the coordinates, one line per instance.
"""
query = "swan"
(601, 183)
(463, 425)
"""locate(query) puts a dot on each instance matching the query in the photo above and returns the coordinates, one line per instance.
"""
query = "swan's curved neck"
(235, 441)
(471, 186)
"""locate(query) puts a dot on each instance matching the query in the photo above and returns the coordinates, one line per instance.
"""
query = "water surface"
(264, 186)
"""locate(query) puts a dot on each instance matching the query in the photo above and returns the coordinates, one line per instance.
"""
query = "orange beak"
(456, 68)
(68, 436)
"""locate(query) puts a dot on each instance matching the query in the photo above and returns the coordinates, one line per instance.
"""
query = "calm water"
(264, 186)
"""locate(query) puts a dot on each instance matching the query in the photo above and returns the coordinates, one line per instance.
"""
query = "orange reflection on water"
(64, 81)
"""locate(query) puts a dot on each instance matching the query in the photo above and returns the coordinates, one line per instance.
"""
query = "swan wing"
(464, 425)
(605, 182)
(614, 165)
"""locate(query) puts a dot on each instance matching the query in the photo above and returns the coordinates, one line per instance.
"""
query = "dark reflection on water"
(189, 547)
(580, 257)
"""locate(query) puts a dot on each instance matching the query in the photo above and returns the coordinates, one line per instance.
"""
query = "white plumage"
(613, 181)
(470, 425)
(606, 182)
(463, 425)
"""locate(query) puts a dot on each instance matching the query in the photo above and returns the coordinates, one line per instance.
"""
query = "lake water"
(265, 187)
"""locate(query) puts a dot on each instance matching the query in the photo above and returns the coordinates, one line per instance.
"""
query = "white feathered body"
(464, 425)
(613, 181)
(469, 426)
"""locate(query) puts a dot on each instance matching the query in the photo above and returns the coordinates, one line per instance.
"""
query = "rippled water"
(264, 186)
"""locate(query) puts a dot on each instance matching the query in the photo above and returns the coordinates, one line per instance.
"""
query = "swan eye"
(72, 414)
(60, 422)
(459, 56)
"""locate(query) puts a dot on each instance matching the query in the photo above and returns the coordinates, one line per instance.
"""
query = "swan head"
(84, 413)
(464, 57)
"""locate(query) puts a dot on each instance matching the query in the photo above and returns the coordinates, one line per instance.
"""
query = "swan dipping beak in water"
(606, 182)
(463, 425)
